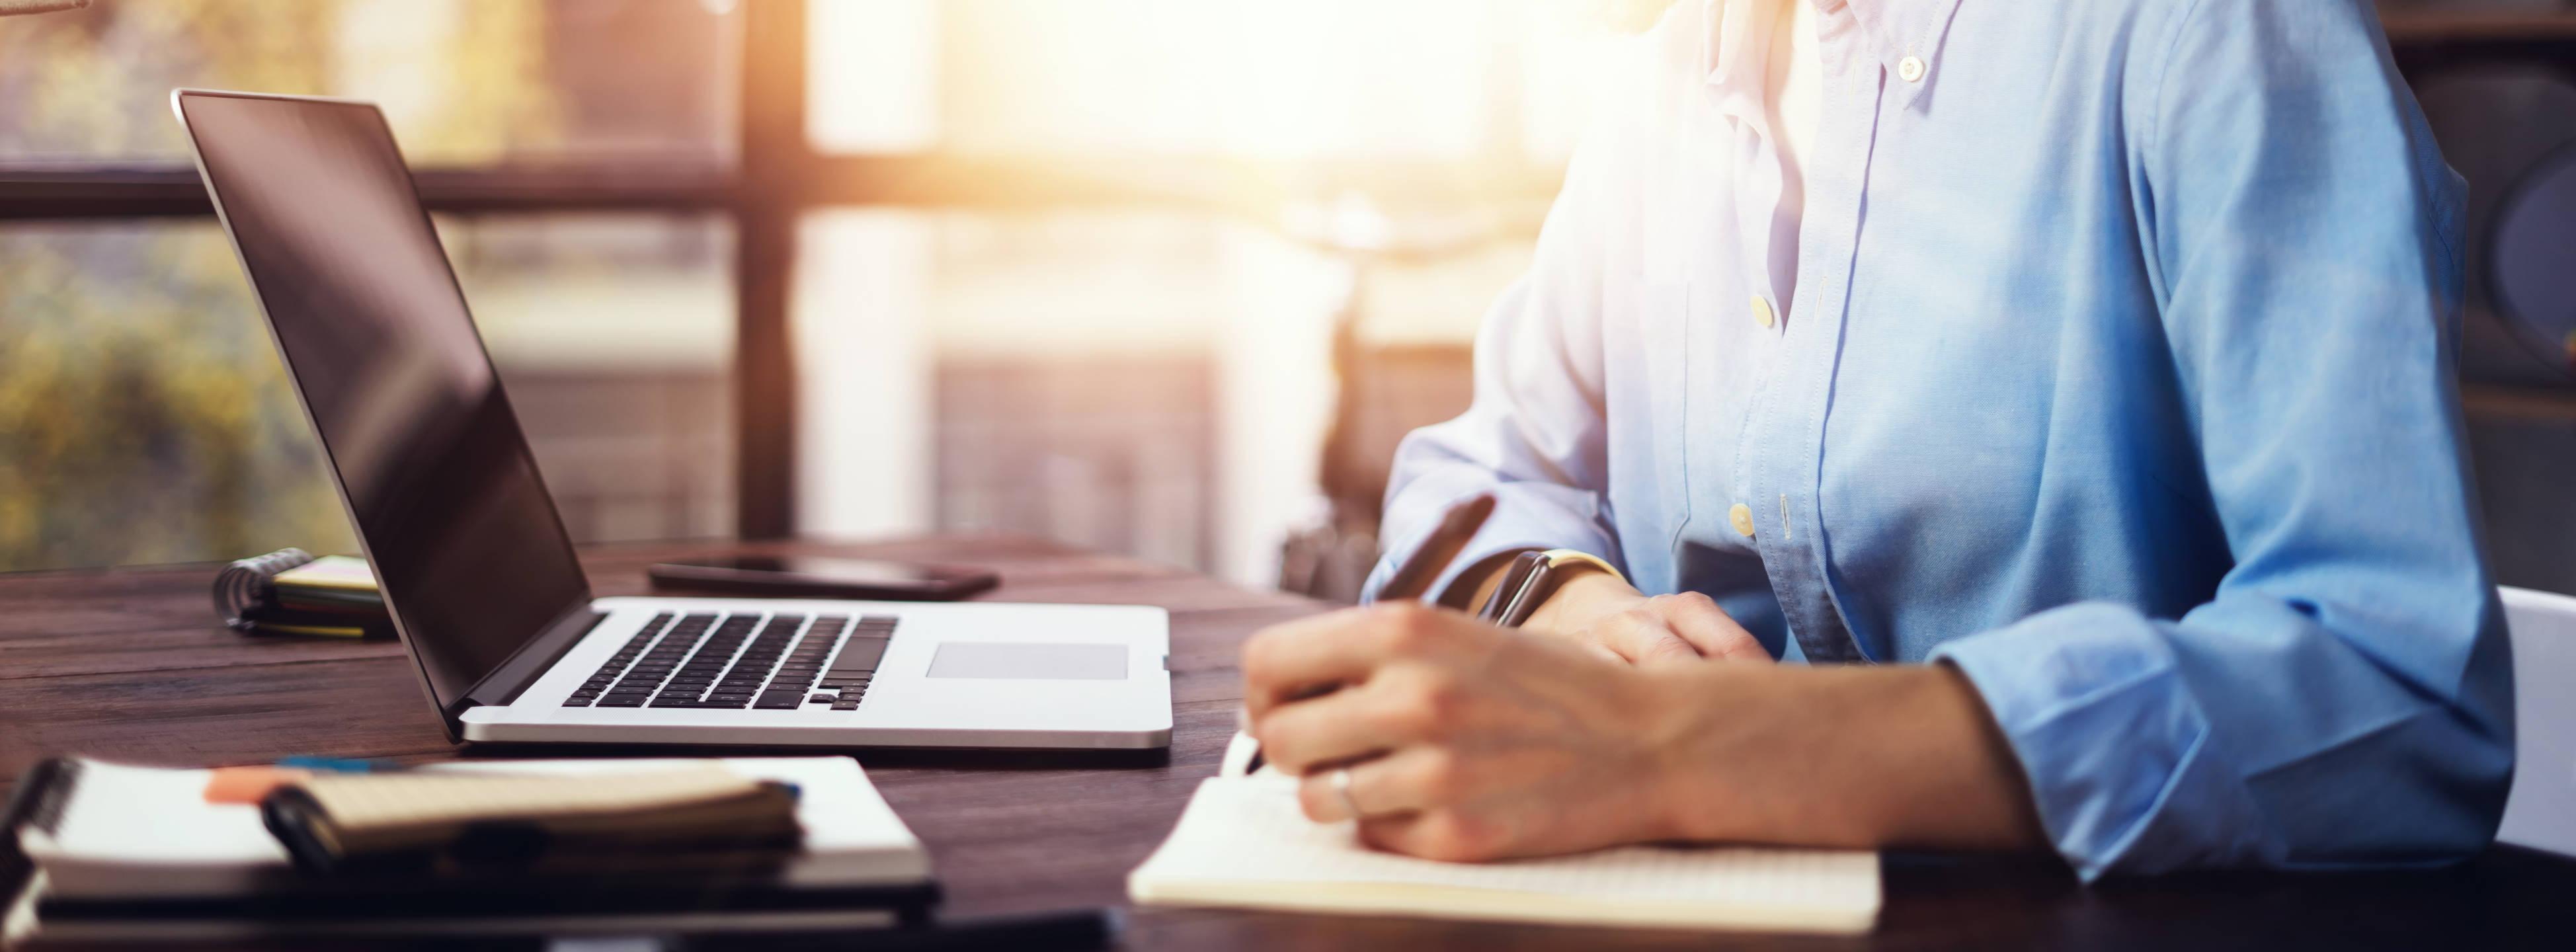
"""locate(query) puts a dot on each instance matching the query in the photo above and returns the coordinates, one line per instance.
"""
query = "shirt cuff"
(1526, 516)
(2116, 748)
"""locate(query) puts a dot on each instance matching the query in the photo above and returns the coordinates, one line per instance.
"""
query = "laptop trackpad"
(1029, 660)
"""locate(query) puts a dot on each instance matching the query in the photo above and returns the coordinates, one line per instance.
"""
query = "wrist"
(1582, 597)
(1682, 731)
(1473, 585)
(1845, 756)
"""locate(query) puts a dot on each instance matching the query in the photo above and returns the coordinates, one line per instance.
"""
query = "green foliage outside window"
(143, 414)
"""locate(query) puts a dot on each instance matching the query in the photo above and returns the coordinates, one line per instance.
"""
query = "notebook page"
(1250, 832)
(123, 814)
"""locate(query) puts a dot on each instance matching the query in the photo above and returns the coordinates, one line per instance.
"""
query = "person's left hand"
(1465, 741)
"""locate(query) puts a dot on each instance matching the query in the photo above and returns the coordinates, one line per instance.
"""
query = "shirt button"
(1742, 518)
(1762, 311)
(1911, 68)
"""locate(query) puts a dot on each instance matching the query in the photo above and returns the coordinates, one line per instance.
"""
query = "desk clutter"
(289, 592)
(113, 852)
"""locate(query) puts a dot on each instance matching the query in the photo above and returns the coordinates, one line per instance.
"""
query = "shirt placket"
(1789, 456)
(1755, 200)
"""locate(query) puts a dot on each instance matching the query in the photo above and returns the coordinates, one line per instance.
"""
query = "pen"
(1414, 577)
(1456, 528)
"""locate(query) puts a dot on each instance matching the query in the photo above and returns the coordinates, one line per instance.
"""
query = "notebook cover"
(575, 898)
(39, 799)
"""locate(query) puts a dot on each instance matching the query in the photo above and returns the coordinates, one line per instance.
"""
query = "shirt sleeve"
(1534, 436)
(2345, 697)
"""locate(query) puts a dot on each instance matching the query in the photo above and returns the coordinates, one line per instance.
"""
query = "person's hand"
(1599, 609)
(1464, 741)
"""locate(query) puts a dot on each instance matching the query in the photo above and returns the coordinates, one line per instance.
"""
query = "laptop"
(473, 560)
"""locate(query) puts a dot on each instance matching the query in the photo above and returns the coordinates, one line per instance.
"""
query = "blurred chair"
(2541, 811)
(1382, 391)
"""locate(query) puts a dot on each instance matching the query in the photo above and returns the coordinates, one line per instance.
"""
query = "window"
(1067, 269)
(143, 414)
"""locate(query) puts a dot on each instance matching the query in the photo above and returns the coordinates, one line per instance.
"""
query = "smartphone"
(823, 577)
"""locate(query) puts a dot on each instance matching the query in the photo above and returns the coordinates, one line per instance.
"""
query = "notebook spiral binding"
(245, 583)
(43, 791)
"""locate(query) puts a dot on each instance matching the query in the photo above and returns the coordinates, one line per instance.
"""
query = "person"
(2069, 386)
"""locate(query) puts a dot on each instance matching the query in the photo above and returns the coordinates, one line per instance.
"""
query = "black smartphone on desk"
(804, 576)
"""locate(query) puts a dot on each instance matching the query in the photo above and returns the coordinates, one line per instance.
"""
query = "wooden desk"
(129, 664)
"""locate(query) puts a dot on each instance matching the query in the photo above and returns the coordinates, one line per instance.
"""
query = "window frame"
(778, 177)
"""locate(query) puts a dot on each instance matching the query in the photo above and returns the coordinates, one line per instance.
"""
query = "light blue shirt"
(2113, 366)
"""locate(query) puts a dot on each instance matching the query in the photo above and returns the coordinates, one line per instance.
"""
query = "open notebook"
(1243, 842)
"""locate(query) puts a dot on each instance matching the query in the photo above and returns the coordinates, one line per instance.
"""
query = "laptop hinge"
(525, 665)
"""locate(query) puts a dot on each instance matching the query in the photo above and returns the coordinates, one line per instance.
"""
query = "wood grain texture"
(130, 665)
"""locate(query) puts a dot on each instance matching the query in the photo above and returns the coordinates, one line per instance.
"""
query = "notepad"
(652, 810)
(1242, 842)
(122, 831)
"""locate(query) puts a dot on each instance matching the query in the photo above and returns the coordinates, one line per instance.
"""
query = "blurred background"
(1162, 277)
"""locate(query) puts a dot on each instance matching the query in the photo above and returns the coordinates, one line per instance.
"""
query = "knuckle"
(1428, 704)
(1407, 626)
(1442, 695)
(1413, 716)
(1312, 799)
(1289, 760)
(1672, 649)
(1453, 836)
(1442, 776)
(1687, 605)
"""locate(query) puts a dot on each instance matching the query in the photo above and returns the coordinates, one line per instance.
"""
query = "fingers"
(1641, 636)
(1695, 618)
(1344, 726)
(1445, 835)
(1308, 657)
(1301, 658)
(1407, 781)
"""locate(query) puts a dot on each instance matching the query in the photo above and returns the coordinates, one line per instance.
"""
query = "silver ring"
(1342, 786)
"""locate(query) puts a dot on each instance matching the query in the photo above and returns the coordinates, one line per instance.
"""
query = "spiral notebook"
(289, 592)
(1242, 842)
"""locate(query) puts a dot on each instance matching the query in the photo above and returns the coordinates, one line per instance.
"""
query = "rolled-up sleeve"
(2344, 698)
(1534, 435)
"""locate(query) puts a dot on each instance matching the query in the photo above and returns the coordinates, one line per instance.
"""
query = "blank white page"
(1243, 842)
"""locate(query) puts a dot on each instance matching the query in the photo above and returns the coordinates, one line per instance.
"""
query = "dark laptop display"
(469, 551)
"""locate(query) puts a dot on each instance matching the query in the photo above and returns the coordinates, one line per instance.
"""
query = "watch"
(1531, 578)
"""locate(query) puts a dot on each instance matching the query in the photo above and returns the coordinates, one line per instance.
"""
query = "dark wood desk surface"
(129, 664)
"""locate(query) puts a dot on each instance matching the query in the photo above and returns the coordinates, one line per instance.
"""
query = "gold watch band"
(1560, 558)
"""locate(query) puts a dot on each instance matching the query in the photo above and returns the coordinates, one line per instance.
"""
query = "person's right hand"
(1598, 609)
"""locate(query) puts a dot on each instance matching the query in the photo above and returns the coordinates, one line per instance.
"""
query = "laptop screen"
(466, 544)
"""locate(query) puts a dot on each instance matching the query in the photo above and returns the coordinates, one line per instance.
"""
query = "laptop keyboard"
(711, 661)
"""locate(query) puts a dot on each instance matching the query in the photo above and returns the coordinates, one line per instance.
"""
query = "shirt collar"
(1737, 44)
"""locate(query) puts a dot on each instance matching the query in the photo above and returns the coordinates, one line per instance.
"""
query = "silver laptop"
(474, 562)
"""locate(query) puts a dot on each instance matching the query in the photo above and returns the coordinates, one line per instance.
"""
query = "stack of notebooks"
(104, 851)
(289, 592)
